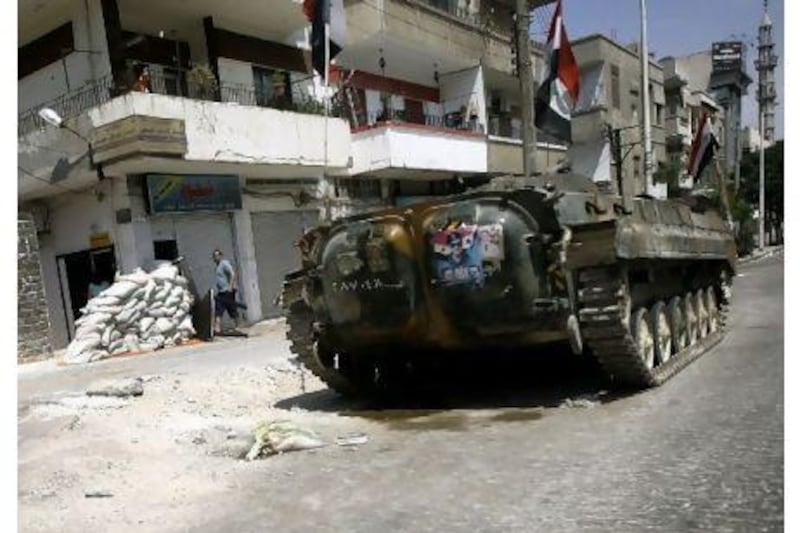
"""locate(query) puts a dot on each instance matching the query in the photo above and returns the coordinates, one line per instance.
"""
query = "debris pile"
(281, 436)
(140, 312)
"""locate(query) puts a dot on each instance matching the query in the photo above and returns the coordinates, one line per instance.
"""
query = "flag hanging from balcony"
(319, 12)
(558, 92)
(704, 146)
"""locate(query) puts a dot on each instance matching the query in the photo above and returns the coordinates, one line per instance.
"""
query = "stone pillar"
(33, 326)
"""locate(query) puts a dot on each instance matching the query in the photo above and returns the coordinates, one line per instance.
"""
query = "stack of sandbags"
(139, 312)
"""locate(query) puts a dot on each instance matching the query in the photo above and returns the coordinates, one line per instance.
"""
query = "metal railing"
(69, 105)
(452, 121)
(451, 7)
(100, 91)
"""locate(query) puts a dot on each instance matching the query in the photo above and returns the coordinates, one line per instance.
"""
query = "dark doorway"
(76, 270)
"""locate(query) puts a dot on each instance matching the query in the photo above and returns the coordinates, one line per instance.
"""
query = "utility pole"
(765, 64)
(647, 139)
(761, 179)
(526, 86)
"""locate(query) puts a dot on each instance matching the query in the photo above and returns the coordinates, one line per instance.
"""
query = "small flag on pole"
(320, 12)
(559, 91)
(704, 147)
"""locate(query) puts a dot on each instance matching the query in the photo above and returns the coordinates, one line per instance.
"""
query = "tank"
(518, 264)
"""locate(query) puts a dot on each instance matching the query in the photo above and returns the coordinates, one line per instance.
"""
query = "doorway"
(75, 271)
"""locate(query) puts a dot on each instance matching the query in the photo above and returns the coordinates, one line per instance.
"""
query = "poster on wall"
(170, 193)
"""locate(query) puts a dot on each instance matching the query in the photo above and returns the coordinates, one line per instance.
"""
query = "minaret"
(765, 64)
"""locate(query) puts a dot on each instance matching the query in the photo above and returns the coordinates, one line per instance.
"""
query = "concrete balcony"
(140, 132)
(399, 150)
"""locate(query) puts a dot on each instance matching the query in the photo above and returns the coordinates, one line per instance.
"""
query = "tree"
(773, 187)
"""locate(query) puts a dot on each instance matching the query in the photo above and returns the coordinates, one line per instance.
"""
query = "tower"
(765, 65)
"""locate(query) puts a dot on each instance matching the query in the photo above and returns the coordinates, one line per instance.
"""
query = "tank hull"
(509, 267)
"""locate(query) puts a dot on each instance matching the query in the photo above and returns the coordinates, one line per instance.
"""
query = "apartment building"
(686, 105)
(610, 98)
(701, 82)
(200, 125)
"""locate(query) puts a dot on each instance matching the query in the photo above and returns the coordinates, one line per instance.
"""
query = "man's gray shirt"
(224, 274)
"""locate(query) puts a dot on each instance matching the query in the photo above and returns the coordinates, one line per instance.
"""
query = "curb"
(768, 252)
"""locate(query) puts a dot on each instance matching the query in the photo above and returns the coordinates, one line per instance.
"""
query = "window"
(165, 250)
(615, 95)
(659, 114)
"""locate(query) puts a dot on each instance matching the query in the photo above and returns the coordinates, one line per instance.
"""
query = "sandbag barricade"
(140, 312)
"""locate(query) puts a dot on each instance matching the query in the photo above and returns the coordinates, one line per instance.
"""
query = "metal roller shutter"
(274, 235)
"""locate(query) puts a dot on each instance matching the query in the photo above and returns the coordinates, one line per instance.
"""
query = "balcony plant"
(202, 82)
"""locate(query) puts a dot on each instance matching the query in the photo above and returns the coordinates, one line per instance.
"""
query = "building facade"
(714, 81)
(202, 126)
(611, 99)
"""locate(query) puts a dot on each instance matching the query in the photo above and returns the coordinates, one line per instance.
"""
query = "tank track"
(303, 339)
(604, 312)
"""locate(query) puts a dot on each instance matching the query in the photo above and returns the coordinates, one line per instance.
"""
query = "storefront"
(191, 216)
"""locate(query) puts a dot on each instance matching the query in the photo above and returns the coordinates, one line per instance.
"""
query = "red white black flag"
(320, 12)
(704, 146)
(558, 93)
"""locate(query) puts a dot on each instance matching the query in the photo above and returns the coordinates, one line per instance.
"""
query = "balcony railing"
(74, 103)
(450, 121)
(451, 7)
(69, 105)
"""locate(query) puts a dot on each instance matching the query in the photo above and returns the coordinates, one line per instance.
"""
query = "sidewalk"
(757, 254)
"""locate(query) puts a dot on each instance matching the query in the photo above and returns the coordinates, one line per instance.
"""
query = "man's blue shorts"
(225, 301)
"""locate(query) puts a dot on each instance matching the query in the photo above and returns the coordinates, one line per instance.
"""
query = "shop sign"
(99, 240)
(169, 193)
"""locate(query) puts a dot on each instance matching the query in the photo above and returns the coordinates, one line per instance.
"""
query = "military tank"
(642, 285)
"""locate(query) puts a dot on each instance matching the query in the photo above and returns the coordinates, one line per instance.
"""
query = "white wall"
(233, 72)
(592, 89)
(73, 218)
(457, 88)
(50, 81)
(592, 160)
(405, 146)
(228, 132)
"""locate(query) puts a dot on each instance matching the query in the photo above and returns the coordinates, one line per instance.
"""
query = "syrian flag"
(558, 93)
(704, 146)
(320, 12)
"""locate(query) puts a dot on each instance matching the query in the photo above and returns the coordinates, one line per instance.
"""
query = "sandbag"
(145, 323)
(164, 325)
(164, 272)
(172, 301)
(121, 289)
(138, 276)
(149, 290)
(102, 300)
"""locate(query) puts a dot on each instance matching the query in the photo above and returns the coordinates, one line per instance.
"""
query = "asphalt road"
(500, 446)
(703, 452)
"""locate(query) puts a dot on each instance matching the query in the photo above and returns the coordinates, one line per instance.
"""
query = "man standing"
(225, 294)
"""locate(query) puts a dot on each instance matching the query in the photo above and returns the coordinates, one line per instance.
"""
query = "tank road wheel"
(643, 337)
(712, 308)
(702, 313)
(690, 313)
(662, 336)
(675, 315)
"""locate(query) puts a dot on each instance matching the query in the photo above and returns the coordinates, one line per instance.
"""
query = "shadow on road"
(501, 380)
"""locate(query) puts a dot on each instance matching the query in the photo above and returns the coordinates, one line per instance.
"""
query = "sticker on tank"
(465, 254)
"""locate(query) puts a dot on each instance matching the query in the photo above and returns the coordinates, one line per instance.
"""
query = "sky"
(682, 27)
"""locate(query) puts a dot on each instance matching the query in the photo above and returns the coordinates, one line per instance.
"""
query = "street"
(508, 446)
